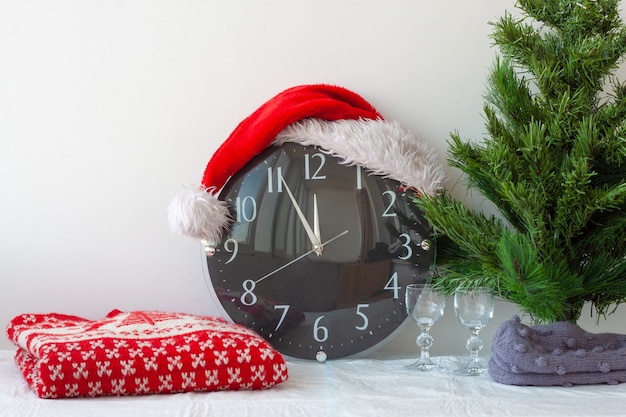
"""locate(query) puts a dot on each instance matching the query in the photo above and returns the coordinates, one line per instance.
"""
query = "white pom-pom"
(198, 213)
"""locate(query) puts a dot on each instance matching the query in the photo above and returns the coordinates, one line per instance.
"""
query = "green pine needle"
(553, 163)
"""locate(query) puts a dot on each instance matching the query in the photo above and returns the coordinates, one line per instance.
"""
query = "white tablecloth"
(376, 386)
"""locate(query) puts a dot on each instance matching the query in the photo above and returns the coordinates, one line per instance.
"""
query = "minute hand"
(299, 257)
(317, 245)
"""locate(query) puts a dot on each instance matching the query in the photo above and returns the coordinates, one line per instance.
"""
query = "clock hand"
(299, 257)
(315, 241)
(316, 219)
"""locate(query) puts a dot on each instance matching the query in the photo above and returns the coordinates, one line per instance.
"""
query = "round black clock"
(318, 254)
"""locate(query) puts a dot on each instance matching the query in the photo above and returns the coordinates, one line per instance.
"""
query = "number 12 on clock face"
(319, 253)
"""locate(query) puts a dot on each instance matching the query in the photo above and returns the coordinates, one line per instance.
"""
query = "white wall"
(107, 107)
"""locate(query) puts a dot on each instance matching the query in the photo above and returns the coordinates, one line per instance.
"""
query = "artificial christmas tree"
(553, 163)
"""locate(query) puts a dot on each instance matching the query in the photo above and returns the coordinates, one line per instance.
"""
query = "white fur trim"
(198, 213)
(383, 147)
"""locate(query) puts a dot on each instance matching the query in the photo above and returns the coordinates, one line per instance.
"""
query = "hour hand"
(316, 219)
(313, 236)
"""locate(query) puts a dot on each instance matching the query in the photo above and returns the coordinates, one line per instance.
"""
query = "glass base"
(472, 369)
(422, 366)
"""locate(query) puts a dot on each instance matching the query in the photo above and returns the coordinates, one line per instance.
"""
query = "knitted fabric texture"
(140, 352)
(557, 354)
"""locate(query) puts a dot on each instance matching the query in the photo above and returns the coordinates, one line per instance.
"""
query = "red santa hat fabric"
(337, 120)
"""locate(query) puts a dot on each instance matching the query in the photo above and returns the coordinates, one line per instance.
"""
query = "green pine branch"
(553, 162)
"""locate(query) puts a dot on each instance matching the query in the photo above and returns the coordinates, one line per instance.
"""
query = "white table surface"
(376, 386)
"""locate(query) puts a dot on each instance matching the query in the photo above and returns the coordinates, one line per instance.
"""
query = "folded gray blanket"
(557, 354)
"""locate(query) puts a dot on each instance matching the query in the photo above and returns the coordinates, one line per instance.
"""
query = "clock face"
(327, 282)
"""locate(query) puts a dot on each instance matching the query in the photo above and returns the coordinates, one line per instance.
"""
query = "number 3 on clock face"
(319, 253)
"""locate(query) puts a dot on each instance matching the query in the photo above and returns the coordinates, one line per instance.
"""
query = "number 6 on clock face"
(343, 298)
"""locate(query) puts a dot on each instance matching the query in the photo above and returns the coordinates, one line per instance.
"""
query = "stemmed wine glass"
(425, 305)
(474, 308)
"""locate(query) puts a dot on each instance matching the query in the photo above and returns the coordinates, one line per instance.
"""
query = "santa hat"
(337, 120)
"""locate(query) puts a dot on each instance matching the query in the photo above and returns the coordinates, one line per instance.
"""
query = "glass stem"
(424, 341)
(474, 345)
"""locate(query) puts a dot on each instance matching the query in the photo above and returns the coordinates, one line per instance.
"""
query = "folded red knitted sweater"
(140, 352)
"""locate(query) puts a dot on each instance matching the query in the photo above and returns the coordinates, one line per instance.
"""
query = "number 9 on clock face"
(318, 254)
